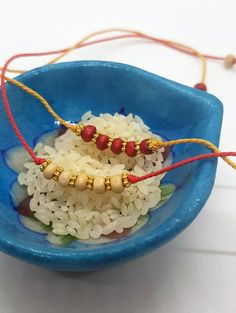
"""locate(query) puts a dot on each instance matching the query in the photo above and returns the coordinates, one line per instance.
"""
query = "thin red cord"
(213, 57)
(134, 179)
(18, 133)
(155, 39)
(39, 161)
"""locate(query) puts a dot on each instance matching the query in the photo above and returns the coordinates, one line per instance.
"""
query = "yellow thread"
(94, 34)
(73, 128)
(43, 101)
(13, 71)
(174, 43)
(156, 144)
(197, 53)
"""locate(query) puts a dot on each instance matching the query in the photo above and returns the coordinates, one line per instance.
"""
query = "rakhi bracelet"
(83, 181)
(118, 182)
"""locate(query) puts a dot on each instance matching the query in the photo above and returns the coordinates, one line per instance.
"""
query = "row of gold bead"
(82, 181)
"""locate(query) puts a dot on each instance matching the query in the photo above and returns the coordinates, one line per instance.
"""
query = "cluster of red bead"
(117, 145)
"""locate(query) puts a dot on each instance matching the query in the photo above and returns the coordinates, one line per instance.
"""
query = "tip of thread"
(200, 86)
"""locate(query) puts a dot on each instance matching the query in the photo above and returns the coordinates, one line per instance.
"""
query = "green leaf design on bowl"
(167, 191)
(67, 239)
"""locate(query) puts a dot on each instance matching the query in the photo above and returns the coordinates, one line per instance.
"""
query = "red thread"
(134, 179)
(6, 103)
(18, 133)
(4, 93)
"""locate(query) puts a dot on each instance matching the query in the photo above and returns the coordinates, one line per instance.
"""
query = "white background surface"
(196, 272)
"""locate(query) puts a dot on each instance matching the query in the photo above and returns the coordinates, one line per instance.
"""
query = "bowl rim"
(123, 250)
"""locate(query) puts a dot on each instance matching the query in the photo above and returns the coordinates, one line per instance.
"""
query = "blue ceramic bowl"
(170, 109)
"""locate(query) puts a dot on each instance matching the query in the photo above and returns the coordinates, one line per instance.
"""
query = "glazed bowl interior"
(170, 109)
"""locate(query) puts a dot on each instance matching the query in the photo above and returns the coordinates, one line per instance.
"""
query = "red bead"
(88, 133)
(130, 149)
(201, 86)
(116, 145)
(144, 147)
(102, 142)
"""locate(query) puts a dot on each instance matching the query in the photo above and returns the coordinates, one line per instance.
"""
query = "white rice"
(86, 214)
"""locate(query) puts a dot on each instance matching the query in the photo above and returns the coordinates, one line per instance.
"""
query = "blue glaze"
(169, 108)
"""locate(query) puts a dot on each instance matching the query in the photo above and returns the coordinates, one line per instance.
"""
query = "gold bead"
(125, 180)
(57, 173)
(45, 164)
(137, 147)
(99, 185)
(90, 182)
(229, 61)
(108, 183)
(123, 146)
(116, 183)
(49, 171)
(109, 143)
(72, 180)
(79, 129)
(95, 137)
(81, 182)
(154, 144)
